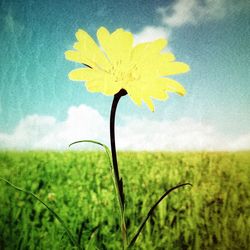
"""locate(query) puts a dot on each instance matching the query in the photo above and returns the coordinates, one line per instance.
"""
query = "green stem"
(118, 181)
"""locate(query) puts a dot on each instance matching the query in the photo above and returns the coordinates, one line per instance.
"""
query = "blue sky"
(211, 36)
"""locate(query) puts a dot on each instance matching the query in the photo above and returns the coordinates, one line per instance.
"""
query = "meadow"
(212, 214)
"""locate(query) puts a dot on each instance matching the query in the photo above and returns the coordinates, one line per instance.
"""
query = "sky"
(40, 108)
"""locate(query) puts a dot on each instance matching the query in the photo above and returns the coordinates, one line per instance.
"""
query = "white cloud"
(44, 132)
(193, 12)
(183, 134)
(241, 143)
(196, 11)
(28, 131)
(83, 122)
(151, 33)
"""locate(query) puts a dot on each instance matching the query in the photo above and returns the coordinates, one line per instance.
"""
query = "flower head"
(116, 65)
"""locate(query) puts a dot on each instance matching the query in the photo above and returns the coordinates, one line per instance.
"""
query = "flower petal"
(144, 52)
(117, 45)
(83, 74)
(172, 86)
(149, 103)
(103, 36)
(173, 68)
(96, 81)
(76, 56)
(134, 92)
(159, 94)
(142, 91)
(168, 57)
(88, 51)
(103, 86)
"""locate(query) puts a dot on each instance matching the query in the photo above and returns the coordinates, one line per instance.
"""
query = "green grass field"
(213, 214)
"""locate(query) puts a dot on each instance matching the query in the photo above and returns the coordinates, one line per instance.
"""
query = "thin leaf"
(132, 242)
(70, 235)
(92, 237)
(107, 150)
(108, 153)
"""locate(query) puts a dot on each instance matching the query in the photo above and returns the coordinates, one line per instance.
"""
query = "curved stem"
(118, 181)
(132, 242)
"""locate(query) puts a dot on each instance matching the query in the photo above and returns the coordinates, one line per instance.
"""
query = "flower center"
(124, 73)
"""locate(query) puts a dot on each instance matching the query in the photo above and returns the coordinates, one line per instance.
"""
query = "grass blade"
(70, 235)
(132, 242)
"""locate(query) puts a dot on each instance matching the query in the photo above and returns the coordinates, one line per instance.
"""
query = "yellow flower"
(117, 65)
